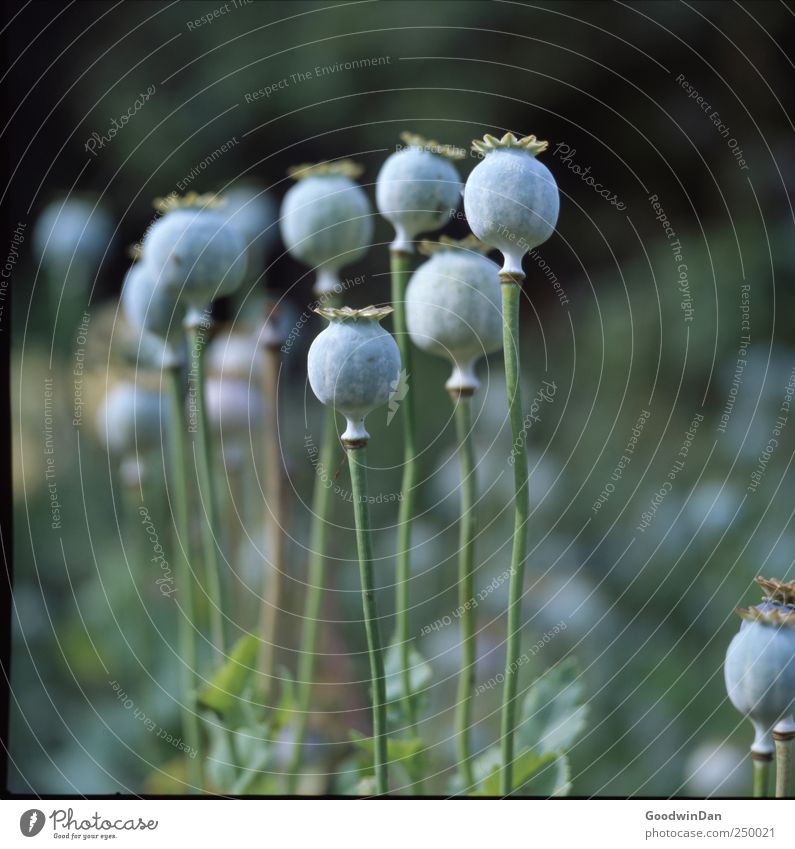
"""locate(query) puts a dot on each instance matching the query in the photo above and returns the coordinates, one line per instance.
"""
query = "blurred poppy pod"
(454, 309)
(193, 251)
(132, 419)
(418, 188)
(326, 220)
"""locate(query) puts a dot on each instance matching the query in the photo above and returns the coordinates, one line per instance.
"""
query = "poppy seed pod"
(511, 199)
(418, 188)
(234, 406)
(760, 668)
(454, 307)
(326, 220)
(71, 235)
(132, 419)
(193, 250)
(148, 307)
(235, 353)
(255, 213)
(354, 366)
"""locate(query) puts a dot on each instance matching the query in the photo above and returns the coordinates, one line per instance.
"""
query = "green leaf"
(396, 749)
(284, 711)
(533, 775)
(553, 714)
(553, 778)
(420, 676)
(222, 695)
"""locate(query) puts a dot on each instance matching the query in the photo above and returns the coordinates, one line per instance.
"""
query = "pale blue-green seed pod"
(234, 407)
(418, 189)
(354, 366)
(511, 200)
(326, 220)
(132, 419)
(194, 252)
(760, 672)
(149, 307)
(70, 238)
(256, 214)
(454, 308)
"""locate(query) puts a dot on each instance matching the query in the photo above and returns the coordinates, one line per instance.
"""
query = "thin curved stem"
(400, 269)
(316, 576)
(185, 613)
(761, 773)
(467, 529)
(197, 424)
(357, 461)
(275, 520)
(783, 766)
(511, 298)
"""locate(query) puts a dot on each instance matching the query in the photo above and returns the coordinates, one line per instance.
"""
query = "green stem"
(318, 536)
(197, 344)
(357, 461)
(275, 521)
(761, 772)
(185, 613)
(466, 590)
(400, 267)
(511, 298)
(783, 766)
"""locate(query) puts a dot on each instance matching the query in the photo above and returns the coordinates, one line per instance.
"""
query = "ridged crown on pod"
(193, 250)
(326, 219)
(511, 199)
(454, 306)
(132, 419)
(255, 213)
(73, 231)
(760, 670)
(354, 365)
(418, 188)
